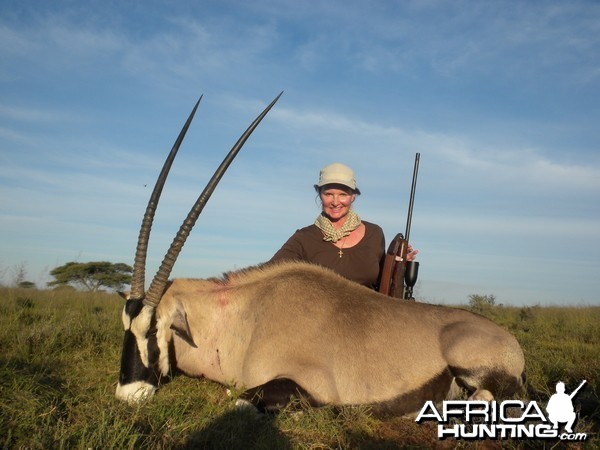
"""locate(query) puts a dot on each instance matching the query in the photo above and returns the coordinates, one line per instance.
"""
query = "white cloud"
(36, 115)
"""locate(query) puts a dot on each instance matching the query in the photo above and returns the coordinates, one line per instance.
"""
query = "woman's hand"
(411, 254)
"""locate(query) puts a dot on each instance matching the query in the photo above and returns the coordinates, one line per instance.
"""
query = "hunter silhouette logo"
(510, 419)
(560, 407)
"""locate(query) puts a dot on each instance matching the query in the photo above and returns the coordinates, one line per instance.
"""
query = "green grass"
(59, 362)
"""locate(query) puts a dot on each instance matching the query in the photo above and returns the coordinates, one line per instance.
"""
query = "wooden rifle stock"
(398, 276)
(392, 274)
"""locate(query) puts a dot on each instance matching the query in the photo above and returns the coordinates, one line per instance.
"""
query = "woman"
(339, 239)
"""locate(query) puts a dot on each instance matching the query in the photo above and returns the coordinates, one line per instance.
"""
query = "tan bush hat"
(337, 173)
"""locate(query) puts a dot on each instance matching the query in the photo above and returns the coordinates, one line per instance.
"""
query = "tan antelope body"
(294, 328)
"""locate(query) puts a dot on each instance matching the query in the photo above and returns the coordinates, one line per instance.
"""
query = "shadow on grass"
(31, 400)
(19, 369)
(247, 430)
(239, 430)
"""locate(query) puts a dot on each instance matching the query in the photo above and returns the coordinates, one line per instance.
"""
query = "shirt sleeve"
(291, 250)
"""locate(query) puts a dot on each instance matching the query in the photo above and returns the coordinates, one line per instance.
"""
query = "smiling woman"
(339, 239)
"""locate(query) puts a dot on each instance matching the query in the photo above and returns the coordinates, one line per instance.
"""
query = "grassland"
(59, 361)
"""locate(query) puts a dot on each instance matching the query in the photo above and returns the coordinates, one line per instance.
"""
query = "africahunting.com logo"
(510, 419)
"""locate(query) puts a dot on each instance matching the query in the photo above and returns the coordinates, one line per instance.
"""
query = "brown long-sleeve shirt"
(361, 263)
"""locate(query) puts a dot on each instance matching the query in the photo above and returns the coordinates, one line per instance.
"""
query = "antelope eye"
(151, 332)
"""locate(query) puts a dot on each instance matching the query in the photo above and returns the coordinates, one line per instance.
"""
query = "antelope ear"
(123, 295)
(181, 327)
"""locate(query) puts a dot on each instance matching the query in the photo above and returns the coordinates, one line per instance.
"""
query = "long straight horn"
(162, 276)
(139, 266)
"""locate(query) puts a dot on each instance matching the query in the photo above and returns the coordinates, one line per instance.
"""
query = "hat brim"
(338, 183)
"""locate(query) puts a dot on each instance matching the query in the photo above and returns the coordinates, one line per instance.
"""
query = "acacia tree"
(92, 275)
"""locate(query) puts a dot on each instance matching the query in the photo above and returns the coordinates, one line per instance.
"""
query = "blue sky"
(500, 98)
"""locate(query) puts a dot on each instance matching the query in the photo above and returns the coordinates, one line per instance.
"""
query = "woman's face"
(336, 202)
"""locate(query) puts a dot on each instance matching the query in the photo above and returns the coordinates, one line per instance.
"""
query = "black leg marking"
(499, 383)
(435, 389)
(276, 394)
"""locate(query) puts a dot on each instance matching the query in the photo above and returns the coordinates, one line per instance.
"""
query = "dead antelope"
(293, 328)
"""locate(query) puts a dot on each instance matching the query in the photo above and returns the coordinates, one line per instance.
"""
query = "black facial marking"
(132, 367)
(133, 308)
(153, 350)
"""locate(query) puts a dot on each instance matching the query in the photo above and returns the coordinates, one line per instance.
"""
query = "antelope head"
(145, 356)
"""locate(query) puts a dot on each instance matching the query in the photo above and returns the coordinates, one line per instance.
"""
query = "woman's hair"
(335, 186)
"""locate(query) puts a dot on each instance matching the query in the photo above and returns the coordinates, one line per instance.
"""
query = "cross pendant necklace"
(341, 252)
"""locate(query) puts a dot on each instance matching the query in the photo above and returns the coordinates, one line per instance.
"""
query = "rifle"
(399, 277)
(577, 390)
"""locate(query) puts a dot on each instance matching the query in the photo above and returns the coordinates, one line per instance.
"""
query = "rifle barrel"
(577, 390)
(412, 196)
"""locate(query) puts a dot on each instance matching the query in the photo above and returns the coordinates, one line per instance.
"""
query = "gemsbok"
(294, 329)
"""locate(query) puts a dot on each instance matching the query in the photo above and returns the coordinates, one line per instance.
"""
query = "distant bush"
(482, 304)
(64, 288)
